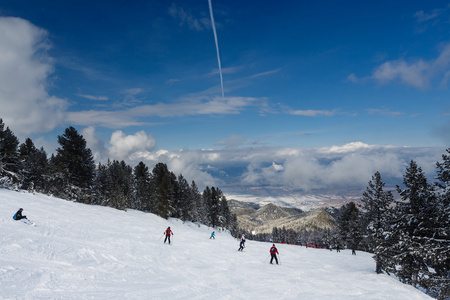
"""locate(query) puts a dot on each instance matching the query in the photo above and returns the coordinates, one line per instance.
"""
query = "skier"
(213, 235)
(242, 243)
(353, 249)
(273, 253)
(18, 215)
(168, 232)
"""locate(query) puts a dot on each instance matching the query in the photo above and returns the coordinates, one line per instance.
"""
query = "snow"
(79, 251)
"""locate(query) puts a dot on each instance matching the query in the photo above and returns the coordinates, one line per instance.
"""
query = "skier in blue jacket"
(18, 215)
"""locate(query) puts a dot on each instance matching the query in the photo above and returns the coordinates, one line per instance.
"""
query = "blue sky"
(140, 80)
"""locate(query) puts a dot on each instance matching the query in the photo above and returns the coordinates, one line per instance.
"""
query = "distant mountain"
(261, 219)
(303, 200)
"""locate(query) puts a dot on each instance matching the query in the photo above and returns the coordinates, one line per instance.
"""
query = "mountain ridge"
(255, 218)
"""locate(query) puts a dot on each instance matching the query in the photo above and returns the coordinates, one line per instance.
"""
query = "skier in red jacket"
(168, 232)
(273, 253)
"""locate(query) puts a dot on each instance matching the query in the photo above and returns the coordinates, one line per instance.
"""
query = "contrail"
(217, 44)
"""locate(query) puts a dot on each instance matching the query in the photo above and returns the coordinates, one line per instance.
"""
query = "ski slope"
(79, 251)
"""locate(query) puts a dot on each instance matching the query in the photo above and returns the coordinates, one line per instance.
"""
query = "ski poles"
(267, 258)
(161, 237)
(279, 259)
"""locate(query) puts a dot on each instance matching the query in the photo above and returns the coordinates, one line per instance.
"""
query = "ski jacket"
(273, 250)
(18, 215)
(168, 232)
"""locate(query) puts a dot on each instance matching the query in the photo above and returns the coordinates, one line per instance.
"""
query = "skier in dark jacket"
(18, 215)
(168, 232)
(273, 253)
(242, 243)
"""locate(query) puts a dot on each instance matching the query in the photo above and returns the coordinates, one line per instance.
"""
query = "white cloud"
(232, 141)
(91, 97)
(384, 112)
(312, 113)
(277, 167)
(124, 147)
(94, 143)
(419, 73)
(350, 147)
(187, 18)
(345, 167)
(352, 77)
(25, 67)
(422, 16)
(133, 92)
(338, 167)
(185, 107)
(415, 74)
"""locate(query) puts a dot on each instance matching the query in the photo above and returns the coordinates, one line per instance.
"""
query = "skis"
(28, 222)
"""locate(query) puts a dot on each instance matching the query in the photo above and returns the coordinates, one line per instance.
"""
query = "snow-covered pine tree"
(412, 227)
(348, 225)
(100, 188)
(9, 155)
(34, 165)
(376, 203)
(199, 209)
(275, 235)
(439, 256)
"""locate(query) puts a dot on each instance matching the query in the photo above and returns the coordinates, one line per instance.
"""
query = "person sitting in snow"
(168, 232)
(213, 235)
(273, 253)
(18, 215)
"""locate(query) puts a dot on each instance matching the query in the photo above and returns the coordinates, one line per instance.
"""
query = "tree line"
(72, 174)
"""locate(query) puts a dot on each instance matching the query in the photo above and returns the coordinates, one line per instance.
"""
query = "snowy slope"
(79, 251)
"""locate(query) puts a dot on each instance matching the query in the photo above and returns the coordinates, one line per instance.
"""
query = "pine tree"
(412, 226)
(199, 209)
(225, 218)
(101, 188)
(162, 183)
(9, 155)
(377, 204)
(349, 226)
(439, 255)
(212, 199)
(34, 165)
(206, 196)
(56, 182)
(141, 194)
(275, 235)
(74, 160)
(185, 202)
(120, 178)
